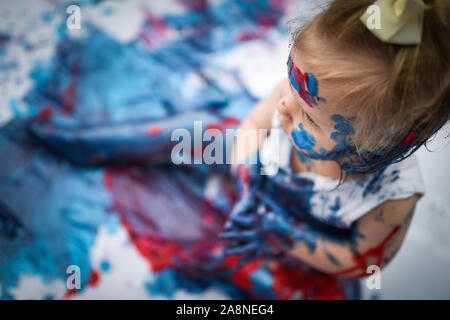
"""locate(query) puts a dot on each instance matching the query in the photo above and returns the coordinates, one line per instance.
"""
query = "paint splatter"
(305, 84)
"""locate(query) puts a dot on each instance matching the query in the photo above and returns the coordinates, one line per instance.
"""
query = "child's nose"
(282, 107)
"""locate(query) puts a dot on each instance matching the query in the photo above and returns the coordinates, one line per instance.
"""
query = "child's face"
(308, 115)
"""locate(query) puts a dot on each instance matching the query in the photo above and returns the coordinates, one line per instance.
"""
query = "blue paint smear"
(105, 266)
(50, 211)
(312, 84)
(303, 139)
(167, 282)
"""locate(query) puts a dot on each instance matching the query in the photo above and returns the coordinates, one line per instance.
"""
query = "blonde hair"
(400, 92)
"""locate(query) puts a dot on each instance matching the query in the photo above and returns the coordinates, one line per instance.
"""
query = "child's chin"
(300, 151)
(285, 122)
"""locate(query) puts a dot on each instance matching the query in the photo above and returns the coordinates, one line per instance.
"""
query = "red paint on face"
(301, 83)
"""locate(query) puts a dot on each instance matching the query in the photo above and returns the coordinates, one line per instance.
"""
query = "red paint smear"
(266, 20)
(208, 218)
(68, 95)
(94, 278)
(70, 293)
(301, 79)
(45, 113)
(156, 249)
(287, 280)
(148, 40)
(226, 122)
(108, 179)
(290, 280)
(154, 130)
(277, 4)
(156, 23)
(154, 26)
(195, 4)
(68, 98)
(409, 138)
(376, 252)
(248, 35)
(244, 173)
(241, 277)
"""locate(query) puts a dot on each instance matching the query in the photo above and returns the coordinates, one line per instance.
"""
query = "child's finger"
(243, 221)
(250, 247)
(237, 235)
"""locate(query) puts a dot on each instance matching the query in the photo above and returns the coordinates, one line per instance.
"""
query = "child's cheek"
(302, 139)
(285, 122)
(312, 144)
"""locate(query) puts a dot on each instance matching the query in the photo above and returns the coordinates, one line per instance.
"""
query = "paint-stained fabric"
(86, 183)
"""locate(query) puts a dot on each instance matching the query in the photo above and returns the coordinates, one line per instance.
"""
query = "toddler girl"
(356, 103)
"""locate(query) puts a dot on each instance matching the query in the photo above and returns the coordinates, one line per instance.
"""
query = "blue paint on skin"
(303, 139)
(291, 203)
(304, 159)
(332, 258)
(312, 84)
(344, 151)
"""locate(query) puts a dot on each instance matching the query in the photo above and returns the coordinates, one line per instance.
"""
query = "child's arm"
(259, 118)
(375, 239)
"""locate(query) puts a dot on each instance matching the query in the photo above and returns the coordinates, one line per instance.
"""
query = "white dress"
(342, 204)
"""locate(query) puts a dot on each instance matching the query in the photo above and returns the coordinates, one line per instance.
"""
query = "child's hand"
(260, 234)
(256, 227)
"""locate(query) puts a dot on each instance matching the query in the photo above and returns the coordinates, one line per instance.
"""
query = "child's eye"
(309, 118)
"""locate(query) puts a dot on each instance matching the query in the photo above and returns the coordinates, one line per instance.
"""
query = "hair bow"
(396, 21)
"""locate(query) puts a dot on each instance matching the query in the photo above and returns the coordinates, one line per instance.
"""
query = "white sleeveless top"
(343, 204)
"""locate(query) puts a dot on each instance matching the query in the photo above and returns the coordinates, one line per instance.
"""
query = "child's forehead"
(327, 91)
